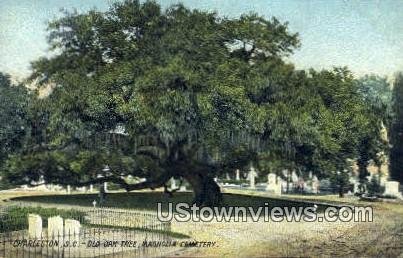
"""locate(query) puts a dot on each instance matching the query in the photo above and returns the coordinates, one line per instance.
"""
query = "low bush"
(16, 217)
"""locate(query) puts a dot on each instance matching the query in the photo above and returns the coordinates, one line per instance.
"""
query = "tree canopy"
(183, 93)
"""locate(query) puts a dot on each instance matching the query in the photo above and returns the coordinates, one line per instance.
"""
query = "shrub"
(16, 218)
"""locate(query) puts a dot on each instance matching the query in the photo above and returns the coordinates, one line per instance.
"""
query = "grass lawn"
(149, 200)
(6, 195)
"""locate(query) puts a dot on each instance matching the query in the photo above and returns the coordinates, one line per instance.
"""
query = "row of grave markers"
(57, 227)
(275, 183)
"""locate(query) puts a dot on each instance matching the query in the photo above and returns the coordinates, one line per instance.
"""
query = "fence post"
(3, 242)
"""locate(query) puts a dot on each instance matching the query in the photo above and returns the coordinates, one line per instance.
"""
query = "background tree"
(13, 119)
(376, 93)
(396, 133)
(340, 180)
(314, 121)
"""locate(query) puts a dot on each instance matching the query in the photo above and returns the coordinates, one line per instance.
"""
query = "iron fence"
(89, 242)
(104, 232)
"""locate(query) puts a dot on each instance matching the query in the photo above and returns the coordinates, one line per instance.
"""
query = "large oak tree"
(181, 93)
(176, 82)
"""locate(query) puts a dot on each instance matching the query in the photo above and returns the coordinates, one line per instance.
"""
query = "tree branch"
(152, 184)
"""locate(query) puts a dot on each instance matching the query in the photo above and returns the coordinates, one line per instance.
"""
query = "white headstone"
(315, 185)
(72, 227)
(271, 178)
(355, 183)
(279, 187)
(68, 189)
(283, 184)
(58, 188)
(237, 177)
(91, 188)
(392, 189)
(294, 177)
(383, 180)
(106, 187)
(273, 185)
(82, 189)
(55, 227)
(182, 188)
(251, 176)
(173, 184)
(34, 226)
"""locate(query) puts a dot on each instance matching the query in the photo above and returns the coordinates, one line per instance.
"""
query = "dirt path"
(246, 239)
(381, 238)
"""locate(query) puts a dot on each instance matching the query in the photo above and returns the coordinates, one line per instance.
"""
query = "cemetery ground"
(382, 237)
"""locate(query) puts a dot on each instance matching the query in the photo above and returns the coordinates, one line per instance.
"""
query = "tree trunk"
(205, 189)
(341, 192)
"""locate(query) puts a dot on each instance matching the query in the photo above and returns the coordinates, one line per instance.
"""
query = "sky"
(366, 36)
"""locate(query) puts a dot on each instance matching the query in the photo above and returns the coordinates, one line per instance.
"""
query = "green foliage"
(13, 116)
(315, 121)
(396, 132)
(340, 181)
(16, 218)
(179, 82)
(376, 94)
(14, 122)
